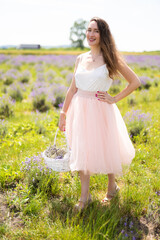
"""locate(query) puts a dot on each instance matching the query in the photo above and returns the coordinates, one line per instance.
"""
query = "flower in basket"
(55, 153)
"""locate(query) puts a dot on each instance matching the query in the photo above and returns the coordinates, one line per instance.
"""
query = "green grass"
(64, 51)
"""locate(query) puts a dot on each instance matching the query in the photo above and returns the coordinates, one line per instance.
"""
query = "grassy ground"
(37, 204)
(62, 51)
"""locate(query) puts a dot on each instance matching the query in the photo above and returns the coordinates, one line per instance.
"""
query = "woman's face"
(92, 34)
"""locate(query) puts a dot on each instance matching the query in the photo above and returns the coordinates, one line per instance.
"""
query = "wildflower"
(131, 224)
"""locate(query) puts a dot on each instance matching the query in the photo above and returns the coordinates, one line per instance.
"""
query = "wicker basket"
(59, 163)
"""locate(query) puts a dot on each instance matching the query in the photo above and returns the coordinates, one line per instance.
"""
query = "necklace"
(94, 59)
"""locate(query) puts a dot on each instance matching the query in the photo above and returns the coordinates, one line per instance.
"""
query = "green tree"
(78, 33)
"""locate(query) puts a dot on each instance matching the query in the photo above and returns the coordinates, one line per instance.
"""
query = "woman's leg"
(111, 183)
(85, 179)
(112, 188)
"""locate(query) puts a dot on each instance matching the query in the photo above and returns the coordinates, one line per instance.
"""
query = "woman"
(95, 129)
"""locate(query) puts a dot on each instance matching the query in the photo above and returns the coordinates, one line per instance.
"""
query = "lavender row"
(69, 60)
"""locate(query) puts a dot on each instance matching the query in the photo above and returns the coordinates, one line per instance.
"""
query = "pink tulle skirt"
(97, 136)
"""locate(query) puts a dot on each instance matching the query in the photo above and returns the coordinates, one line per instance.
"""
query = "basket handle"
(65, 137)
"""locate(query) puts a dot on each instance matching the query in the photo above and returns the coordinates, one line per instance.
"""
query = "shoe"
(111, 195)
(85, 203)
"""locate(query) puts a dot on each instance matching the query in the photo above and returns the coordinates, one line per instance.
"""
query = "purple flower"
(158, 193)
(60, 105)
(137, 115)
(131, 224)
(143, 60)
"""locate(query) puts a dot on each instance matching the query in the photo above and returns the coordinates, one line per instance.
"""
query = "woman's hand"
(105, 97)
(62, 122)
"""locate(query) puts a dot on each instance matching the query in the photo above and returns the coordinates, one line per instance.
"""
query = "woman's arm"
(72, 89)
(131, 77)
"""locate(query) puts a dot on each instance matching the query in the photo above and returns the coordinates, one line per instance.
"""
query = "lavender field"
(37, 203)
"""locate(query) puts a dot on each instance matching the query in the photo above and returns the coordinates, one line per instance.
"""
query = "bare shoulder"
(80, 57)
(77, 61)
(83, 56)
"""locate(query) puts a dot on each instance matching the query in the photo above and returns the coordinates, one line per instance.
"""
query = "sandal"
(111, 195)
(85, 203)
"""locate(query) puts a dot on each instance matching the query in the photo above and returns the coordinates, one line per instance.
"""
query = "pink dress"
(96, 132)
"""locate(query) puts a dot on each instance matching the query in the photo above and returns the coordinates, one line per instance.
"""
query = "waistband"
(85, 93)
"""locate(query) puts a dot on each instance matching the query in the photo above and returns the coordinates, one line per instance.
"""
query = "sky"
(134, 23)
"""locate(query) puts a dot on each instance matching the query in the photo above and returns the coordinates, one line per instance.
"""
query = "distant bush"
(10, 76)
(3, 128)
(158, 97)
(156, 82)
(137, 124)
(59, 101)
(49, 75)
(131, 100)
(15, 92)
(25, 76)
(39, 98)
(6, 106)
(114, 89)
(145, 95)
(146, 82)
(39, 102)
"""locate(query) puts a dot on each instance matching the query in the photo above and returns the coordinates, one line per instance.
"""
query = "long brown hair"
(108, 47)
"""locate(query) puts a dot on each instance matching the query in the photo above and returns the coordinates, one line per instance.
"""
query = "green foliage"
(39, 103)
(114, 89)
(59, 100)
(3, 229)
(3, 128)
(6, 107)
(15, 93)
(8, 80)
(78, 33)
(137, 123)
(9, 177)
(39, 177)
(131, 100)
(25, 76)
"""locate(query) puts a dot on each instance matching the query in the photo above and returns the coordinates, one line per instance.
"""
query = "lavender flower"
(131, 224)
(137, 115)
(60, 105)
